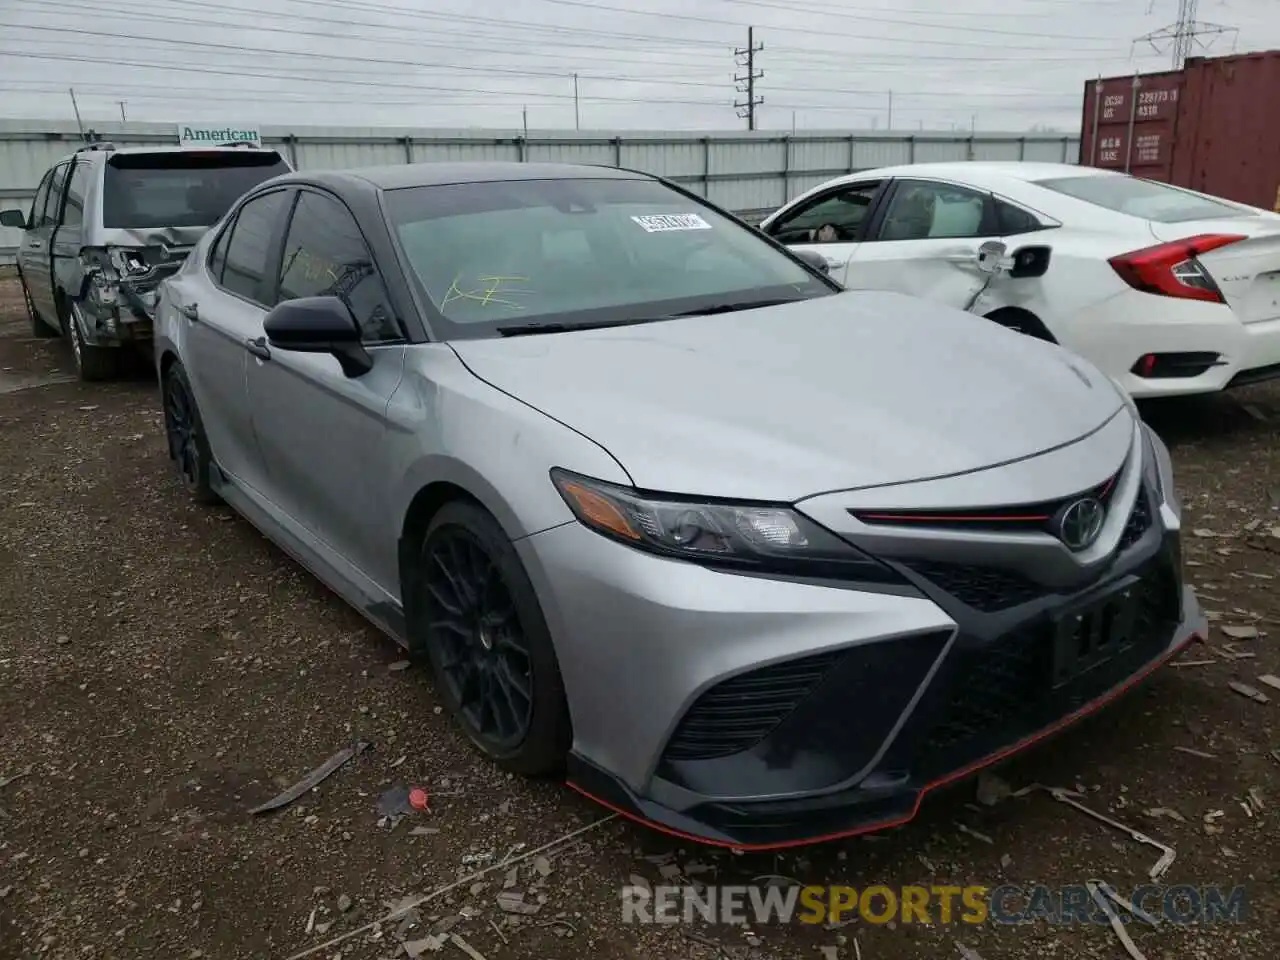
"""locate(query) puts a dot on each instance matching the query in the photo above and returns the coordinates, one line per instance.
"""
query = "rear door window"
(181, 188)
(929, 210)
(57, 186)
(73, 212)
(250, 254)
(37, 205)
(1014, 220)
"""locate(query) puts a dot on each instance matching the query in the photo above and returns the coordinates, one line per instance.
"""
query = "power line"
(122, 12)
(1184, 33)
(360, 83)
(801, 51)
(792, 8)
(749, 63)
(111, 91)
(747, 82)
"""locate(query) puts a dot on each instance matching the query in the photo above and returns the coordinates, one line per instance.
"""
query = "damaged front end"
(119, 290)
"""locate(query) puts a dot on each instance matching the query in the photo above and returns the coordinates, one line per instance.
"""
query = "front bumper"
(757, 713)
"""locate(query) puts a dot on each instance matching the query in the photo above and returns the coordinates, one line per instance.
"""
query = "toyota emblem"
(1080, 522)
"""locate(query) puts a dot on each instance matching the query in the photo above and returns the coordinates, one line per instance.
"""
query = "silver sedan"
(755, 560)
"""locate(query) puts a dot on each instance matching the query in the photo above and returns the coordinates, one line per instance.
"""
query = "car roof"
(983, 172)
(402, 175)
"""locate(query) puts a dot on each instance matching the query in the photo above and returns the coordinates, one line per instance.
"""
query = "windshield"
(581, 251)
(180, 188)
(1143, 198)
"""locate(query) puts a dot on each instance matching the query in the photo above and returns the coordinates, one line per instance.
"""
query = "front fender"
(449, 426)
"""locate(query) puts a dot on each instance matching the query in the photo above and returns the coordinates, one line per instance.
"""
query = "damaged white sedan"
(108, 224)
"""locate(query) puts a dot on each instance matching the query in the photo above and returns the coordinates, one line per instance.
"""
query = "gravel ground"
(164, 668)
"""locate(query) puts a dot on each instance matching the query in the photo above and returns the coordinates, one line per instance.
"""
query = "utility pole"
(123, 118)
(76, 108)
(577, 117)
(524, 117)
(1182, 35)
(747, 82)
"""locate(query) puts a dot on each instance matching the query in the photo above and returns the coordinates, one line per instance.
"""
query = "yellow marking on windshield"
(486, 293)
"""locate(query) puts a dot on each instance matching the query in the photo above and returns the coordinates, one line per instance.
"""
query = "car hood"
(852, 390)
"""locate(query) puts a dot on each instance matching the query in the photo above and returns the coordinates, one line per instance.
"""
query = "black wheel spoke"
(449, 605)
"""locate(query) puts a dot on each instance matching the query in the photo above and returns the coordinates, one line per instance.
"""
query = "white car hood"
(853, 390)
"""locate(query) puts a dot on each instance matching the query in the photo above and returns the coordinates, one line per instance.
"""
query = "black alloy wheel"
(188, 448)
(479, 647)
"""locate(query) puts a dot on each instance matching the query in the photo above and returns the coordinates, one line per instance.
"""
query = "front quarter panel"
(447, 425)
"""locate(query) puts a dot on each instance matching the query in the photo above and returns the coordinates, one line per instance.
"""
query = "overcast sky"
(641, 64)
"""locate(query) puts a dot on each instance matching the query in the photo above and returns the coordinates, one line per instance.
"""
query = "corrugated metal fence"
(749, 173)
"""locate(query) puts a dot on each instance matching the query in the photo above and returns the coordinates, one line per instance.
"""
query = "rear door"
(36, 253)
(323, 434)
(68, 236)
(832, 223)
(220, 307)
(925, 242)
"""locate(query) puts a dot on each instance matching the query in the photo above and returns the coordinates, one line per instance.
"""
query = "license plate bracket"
(1095, 632)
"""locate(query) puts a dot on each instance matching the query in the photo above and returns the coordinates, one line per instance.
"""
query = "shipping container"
(1213, 126)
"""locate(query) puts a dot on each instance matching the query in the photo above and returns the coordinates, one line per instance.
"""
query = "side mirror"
(13, 218)
(815, 260)
(1030, 262)
(990, 256)
(319, 325)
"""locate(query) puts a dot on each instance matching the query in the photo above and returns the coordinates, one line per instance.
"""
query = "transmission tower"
(746, 83)
(1183, 35)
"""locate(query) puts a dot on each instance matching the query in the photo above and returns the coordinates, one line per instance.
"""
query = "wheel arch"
(450, 481)
(168, 357)
(1021, 320)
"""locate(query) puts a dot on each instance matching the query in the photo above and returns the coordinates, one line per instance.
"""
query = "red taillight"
(1172, 270)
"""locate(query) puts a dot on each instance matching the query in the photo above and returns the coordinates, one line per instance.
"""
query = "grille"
(738, 713)
(1002, 691)
(984, 588)
(1031, 516)
(1139, 522)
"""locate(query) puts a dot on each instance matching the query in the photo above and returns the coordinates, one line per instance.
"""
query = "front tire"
(488, 643)
(188, 444)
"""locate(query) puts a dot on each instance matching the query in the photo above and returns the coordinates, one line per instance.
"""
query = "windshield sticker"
(490, 292)
(665, 222)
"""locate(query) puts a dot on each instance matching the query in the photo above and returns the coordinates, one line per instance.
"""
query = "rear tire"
(93, 363)
(38, 327)
(184, 430)
(484, 633)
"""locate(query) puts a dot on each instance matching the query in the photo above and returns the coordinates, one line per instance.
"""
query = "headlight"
(769, 538)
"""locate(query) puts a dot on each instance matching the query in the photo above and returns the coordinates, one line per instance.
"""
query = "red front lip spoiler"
(1195, 627)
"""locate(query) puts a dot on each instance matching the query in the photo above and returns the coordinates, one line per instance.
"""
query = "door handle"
(36, 245)
(191, 311)
(961, 256)
(258, 347)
